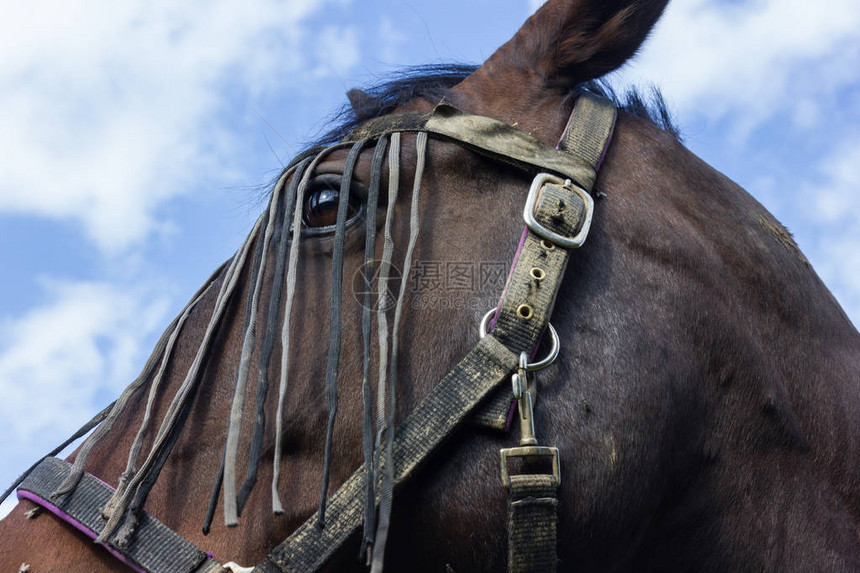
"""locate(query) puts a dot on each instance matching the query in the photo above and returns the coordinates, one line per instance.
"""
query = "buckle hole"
(525, 312)
(537, 274)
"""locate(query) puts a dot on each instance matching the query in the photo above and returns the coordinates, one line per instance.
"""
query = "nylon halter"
(559, 209)
(557, 216)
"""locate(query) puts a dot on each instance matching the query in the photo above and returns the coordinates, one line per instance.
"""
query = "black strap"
(154, 547)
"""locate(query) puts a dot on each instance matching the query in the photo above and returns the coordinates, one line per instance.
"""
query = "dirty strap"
(532, 518)
(154, 547)
(447, 405)
(561, 214)
(484, 135)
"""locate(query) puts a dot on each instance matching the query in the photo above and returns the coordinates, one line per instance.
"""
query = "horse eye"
(321, 202)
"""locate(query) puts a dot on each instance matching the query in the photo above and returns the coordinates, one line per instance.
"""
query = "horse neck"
(748, 329)
(674, 211)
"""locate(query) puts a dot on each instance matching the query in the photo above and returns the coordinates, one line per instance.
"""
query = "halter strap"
(495, 356)
(154, 548)
(557, 220)
(483, 135)
(555, 211)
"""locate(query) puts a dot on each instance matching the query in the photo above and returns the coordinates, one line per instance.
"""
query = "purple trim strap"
(567, 127)
(511, 412)
(151, 547)
(513, 407)
(606, 147)
(44, 503)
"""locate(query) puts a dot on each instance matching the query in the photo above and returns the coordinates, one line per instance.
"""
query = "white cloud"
(752, 59)
(64, 361)
(836, 199)
(337, 49)
(80, 84)
(839, 267)
(56, 359)
(391, 40)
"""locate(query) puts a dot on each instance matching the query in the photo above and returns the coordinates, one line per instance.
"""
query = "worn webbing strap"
(589, 130)
(484, 135)
(532, 517)
(486, 365)
(559, 209)
(154, 548)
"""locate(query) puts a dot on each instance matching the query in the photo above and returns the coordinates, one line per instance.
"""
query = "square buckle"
(529, 452)
(542, 179)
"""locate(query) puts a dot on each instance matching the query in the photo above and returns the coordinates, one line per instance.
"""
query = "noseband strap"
(523, 315)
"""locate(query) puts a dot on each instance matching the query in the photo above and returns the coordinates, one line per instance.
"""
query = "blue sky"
(136, 136)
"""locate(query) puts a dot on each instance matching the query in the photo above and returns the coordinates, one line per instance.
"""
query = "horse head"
(704, 401)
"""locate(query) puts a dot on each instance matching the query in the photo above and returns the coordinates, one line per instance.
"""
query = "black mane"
(432, 82)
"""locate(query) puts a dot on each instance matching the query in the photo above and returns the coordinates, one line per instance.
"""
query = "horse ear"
(362, 103)
(570, 41)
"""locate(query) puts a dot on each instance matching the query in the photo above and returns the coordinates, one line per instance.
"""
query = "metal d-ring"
(534, 366)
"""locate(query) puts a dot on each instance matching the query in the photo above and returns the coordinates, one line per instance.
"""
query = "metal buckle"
(529, 452)
(529, 212)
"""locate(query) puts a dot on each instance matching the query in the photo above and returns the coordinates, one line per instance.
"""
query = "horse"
(704, 401)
